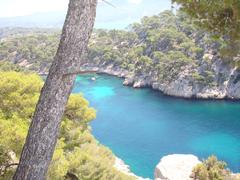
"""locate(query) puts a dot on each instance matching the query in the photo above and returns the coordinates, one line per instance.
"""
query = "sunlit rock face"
(176, 167)
(226, 83)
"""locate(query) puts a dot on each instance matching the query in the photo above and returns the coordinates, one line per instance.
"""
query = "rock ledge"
(176, 167)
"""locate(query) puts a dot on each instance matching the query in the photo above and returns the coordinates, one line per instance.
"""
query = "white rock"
(139, 83)
(128, 81)
(208, 56)
(24, 63)
(176, 167)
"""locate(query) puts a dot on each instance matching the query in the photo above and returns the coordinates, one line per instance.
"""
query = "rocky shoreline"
(121, 166)
(179, 167)
(170, 167)
(183, 87)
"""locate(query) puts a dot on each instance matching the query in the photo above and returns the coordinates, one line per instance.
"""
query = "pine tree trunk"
(42, 136)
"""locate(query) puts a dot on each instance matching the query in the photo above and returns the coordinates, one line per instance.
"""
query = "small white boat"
(93, 79)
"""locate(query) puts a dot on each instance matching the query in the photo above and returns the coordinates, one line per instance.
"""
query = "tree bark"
(42, 135)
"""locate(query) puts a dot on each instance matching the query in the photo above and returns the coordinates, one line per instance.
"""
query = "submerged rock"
(176, 167)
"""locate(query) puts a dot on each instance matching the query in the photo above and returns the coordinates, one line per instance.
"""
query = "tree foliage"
(211, 169)
(220, 17)
(37, 49)
(166, 34)
(77, 154)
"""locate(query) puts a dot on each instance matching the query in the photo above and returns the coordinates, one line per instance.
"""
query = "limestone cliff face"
(226, 82)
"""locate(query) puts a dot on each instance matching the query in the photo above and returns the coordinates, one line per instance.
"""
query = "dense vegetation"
(213, 169)
(150, 42)
(222, 18)
(35, 51)
(20, 31)
(7, 66)
(162, 45)
(77, 155)
(157, 45)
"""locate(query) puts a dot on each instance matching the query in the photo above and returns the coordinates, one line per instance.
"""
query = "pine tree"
(42, 136)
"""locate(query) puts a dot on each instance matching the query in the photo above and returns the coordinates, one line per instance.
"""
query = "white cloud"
(135, 1)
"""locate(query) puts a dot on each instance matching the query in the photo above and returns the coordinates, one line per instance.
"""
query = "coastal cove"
(142, 125)
(154, 98)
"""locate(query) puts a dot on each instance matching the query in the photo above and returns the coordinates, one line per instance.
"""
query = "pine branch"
(109, 3)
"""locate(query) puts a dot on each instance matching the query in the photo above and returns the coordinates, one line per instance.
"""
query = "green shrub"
(211, 169)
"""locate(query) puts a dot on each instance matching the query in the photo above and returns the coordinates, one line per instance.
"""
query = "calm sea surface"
(141, 125)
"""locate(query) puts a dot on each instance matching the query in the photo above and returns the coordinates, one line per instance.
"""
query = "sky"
(123, 13)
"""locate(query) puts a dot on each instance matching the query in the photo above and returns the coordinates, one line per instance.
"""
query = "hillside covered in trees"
(167, 52)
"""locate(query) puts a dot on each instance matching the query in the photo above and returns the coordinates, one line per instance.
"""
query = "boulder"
(176, 167)
(129, 80)
(140, 83)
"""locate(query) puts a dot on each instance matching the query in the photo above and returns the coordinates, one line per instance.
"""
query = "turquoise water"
(141, 125)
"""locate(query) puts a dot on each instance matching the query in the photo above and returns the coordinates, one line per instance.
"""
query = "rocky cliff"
(166, 52)
(227, 81)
